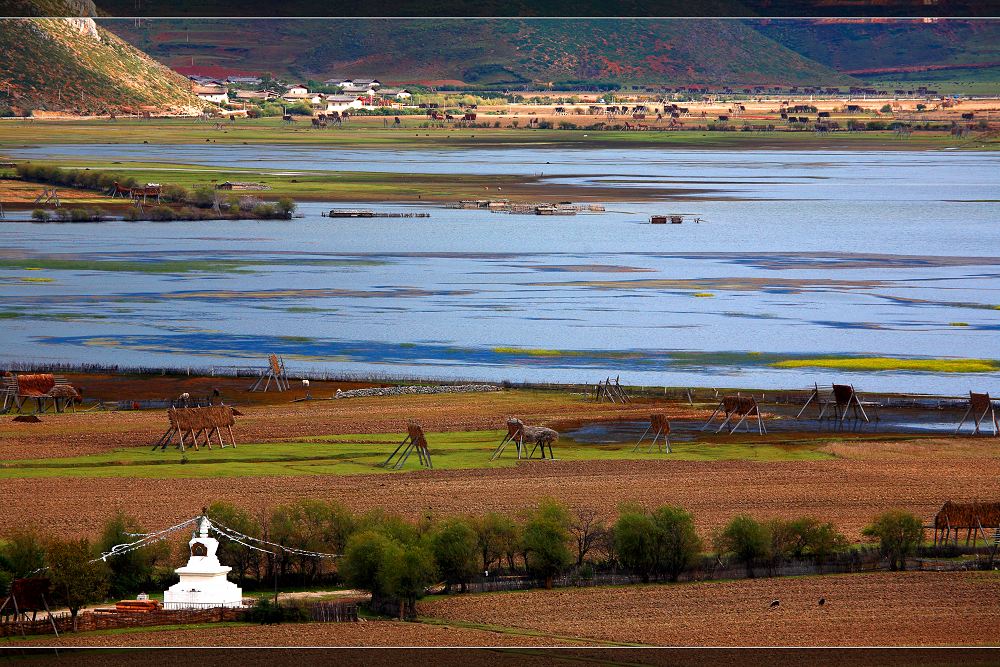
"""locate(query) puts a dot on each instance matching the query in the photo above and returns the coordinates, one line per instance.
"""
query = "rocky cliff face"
(85, 26)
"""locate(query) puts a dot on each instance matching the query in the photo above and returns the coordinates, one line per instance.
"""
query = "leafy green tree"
(406, 572)
(242, 559)
(635, 541)
(392, 525)
(495, 532)
(363, 558)
(545, 541)
(661, 542)
(899, 534)
(824, 541)
(311, 525)
(678, 544)
(456, 551)
(131, 572)
(75, 580)
(745, 539)
(23, 554)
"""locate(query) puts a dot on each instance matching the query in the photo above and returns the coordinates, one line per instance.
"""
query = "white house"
(262, 95)
(341, 103)
(355, 89)
(297, 89)
(370, 84)
(311, 98)
(398, 93)
(215, 93)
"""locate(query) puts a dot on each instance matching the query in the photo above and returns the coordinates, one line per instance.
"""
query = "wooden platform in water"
(362, 213)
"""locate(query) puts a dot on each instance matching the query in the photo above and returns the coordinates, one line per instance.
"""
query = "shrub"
(899, 533)
(203, 196)
(286, 207)
(300, 109)
(160, 214)
(267, 612)
(803, 538)
(265, 211)
(175, 193)
(41, 215)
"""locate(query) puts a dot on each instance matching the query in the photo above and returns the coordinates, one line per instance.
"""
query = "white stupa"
(203, 580)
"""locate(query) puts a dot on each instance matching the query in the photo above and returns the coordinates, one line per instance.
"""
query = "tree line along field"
(396, 559)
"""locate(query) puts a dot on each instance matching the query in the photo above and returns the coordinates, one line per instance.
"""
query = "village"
(758, 109)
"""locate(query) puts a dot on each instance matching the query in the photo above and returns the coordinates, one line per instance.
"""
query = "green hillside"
(850, 45)
(74, 65)
(483, 51)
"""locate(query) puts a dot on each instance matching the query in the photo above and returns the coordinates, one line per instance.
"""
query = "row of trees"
(396, 559)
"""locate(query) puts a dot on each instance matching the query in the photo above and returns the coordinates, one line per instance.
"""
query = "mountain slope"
(860, 45)
(484, 51)
(75, 65)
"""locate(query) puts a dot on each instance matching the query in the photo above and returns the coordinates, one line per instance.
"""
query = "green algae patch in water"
(893, 364)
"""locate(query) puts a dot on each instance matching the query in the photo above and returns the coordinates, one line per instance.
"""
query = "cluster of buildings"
(351, 93)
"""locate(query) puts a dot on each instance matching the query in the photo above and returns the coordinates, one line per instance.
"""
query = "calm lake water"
(800, 254)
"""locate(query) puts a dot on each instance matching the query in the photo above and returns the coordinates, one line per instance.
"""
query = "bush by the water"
(202, 196)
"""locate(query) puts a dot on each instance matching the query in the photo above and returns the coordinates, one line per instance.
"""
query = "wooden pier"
(530, 208)
(363, 213)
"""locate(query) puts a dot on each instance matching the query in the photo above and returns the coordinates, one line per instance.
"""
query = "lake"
(801, 254)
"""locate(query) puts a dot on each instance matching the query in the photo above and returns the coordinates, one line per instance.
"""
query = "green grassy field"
(368, 132)
(361, 454)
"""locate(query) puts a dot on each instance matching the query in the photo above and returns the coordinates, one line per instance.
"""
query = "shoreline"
(234, 375)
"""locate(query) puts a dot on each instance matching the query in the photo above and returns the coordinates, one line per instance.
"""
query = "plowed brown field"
(519, 657)
(363, 633)
(908, 608)
(847, 492)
